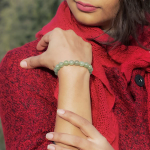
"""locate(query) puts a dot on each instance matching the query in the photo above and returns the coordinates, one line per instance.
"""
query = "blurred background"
(20, 20)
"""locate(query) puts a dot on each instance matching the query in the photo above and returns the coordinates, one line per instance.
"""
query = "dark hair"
(130, 21)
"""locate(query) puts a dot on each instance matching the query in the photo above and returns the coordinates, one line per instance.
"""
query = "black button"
(139, 80)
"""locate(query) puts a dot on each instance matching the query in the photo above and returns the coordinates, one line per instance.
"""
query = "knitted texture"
(28, 98)
(27, 106)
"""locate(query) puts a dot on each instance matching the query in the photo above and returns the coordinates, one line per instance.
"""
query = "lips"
(86, 7)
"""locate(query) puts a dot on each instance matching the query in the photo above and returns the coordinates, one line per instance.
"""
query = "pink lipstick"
(85, 7)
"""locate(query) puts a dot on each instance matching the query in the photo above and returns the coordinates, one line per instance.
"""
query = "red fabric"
(28, 105)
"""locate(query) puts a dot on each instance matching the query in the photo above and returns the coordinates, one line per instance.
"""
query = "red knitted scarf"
(123, 58)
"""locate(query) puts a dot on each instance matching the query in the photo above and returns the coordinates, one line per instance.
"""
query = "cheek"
(111, 9)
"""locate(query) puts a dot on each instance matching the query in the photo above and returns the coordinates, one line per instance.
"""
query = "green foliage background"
(20, 20)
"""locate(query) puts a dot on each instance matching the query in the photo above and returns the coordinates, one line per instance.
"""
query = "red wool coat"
(120, 91)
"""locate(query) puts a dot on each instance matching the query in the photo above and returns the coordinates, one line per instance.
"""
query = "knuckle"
(58, 137)
(41, 60)
(78, 142)
(46, 37)
(58, 33)
(84, 122)
(57, 30)
(70, 31)
(69, 115)
(82, 143)
(31, 62)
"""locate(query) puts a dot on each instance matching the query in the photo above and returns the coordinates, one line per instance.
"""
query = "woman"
(119, 113)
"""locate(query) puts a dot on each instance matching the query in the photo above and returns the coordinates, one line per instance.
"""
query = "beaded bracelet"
(71, 63)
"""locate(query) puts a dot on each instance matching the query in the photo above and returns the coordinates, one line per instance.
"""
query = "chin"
(88, 22)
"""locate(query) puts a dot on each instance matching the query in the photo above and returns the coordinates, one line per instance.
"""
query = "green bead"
(77, 63)
(86, 65)
(82, 63)
(57, 67)
(66, 63)
(71, 62)
(90, 67)
(91, 70)
(61, 64)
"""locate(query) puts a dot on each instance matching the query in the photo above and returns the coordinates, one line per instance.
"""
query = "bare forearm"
(74, 95)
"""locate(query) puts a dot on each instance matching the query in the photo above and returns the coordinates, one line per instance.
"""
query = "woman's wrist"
(73, 72)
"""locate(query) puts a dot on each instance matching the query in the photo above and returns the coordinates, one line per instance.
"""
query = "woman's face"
(98, 13)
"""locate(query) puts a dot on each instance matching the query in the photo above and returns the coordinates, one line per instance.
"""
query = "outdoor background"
(19, 21)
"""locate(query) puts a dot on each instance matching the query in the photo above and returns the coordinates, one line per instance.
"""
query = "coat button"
(139, 80)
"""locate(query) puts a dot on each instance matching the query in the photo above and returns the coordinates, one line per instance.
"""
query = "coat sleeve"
(27, 104)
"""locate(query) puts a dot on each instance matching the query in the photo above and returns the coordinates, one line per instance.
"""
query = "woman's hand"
(94, 141)
(62, 45)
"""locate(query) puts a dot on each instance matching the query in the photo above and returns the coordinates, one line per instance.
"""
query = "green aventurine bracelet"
(71, 63)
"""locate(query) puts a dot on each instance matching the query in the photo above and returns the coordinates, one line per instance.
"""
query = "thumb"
(31, 62)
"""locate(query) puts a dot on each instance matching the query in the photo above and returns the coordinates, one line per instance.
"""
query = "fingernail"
(23, 64)
(50, 147)
(60, 111)
(49, 136)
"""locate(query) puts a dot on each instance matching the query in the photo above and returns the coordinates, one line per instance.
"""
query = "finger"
(32, 62)
(71, 140)
(56, 147)
(43, 43)
(85, 126)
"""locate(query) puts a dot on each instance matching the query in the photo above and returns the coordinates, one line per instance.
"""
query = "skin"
(92, 142)
(103, 16)
(73, 80)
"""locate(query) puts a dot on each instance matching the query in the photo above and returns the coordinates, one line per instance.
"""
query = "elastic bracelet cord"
(71, 63)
